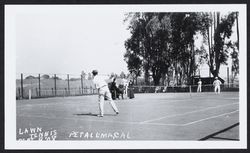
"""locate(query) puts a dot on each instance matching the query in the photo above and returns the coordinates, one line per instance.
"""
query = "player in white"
(103, 91)
(125, 84)
(217, 84)
(199, 85)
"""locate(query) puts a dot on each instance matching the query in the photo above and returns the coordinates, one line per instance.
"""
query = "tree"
(223, 30)
(235, 63)
(57, 78)
(159, 29)
(134, 65)
(235, 53)
(184, 28)
(144, 49)
(161, 43)
(30, 77)
(122, 75)
(217, 39)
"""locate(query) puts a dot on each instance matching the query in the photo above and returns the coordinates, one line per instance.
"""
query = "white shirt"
(217, 83)
(199, 83)
(100, 81)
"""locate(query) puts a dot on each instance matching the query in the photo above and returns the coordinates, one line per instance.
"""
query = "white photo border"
(10, 76)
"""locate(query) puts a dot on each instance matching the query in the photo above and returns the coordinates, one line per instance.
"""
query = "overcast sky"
(66, 40)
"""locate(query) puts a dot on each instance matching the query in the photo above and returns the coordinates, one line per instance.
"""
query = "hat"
(216, 77)
(94, 72)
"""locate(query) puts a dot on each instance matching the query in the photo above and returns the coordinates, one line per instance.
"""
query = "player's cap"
(216, 77)
(94, 72)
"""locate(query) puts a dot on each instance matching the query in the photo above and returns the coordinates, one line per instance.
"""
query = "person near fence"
(125, 87)
(130, 90)
(114, 89)
(103, 91)
(199, 85)
(216, 85)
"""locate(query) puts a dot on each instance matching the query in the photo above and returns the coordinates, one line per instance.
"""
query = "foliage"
(162, 43)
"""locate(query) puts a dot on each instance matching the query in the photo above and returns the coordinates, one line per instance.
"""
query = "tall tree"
(223, 31)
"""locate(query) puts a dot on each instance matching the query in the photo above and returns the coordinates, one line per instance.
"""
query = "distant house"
(45, 76)
(30, 77)
(74, 79)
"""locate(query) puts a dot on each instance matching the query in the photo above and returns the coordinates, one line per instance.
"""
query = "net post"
(39, 85)
(68, 84)
(55, 83)
(22, 85)
(190, 90)
(29, 94)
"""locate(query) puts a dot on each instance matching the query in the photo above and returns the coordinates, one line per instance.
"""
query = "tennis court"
(150, 116)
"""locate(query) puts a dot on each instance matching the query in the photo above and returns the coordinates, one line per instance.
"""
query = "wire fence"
(184, 88)
(30, 86)
(52, 85)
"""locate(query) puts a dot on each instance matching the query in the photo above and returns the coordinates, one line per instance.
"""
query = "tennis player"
(217, 84)
(199, 85)
(103, 91)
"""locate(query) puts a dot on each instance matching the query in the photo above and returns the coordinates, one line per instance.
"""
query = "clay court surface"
(155, 116)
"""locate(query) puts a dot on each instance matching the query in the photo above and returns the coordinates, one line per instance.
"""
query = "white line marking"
(210, 118)
(107, 121)
(156, 119)
(232, 98)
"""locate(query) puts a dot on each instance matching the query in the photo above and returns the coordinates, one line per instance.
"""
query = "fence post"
(29, 94)
(39, 86)
(68, 84)
(52, 91)
(37, 93)
(21, 85)
(228, 77)
(55, 83)
(66, 92)
(19, 93)
(82, 84)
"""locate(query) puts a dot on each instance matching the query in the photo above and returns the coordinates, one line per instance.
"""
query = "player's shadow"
(86, 114)
(93, 114)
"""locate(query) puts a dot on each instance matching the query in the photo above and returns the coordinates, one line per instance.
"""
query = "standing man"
(125, 84)
(130, 90)
(217, 84)
(103, 91)
(199, 85)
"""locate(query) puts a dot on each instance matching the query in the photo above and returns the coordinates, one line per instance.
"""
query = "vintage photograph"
(95, 74)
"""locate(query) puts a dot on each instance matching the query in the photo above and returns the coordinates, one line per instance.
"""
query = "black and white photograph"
(125, 76)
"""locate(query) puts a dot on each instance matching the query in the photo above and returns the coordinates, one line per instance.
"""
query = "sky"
(67, 41)
(70, 39)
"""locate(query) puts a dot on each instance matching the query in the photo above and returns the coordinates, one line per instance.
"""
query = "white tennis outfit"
(103, 91)
(217, 84)
(199, 86)
(125, 84)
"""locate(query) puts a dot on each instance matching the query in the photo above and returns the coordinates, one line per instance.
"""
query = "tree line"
(163, 44)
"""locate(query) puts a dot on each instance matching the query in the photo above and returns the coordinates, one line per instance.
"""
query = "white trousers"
(217, 89)
(104, 92)
(199, 88)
